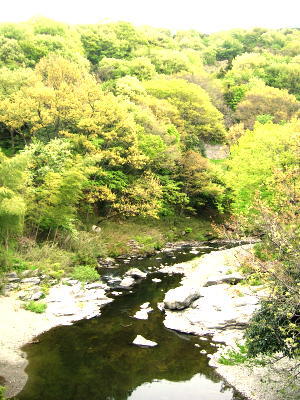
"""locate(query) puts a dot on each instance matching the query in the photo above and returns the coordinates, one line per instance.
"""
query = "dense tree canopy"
(112, 121)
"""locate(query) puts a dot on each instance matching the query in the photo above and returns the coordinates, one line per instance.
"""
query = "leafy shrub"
(275, 327)
(2, 393)
(48, 257)
(36, 307)
(85, 273)
(87, 246)
(235, 356)
(149, 243)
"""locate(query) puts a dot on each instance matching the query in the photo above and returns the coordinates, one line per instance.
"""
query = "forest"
(105, 127)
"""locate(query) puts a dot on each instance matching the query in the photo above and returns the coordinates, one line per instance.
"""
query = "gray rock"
(96, 285)
(11, 275)
(136, 273)
(94, 294)
(34, 280)
(13, 280)
(181, 297)
(127, 282)
(36, 296)
(10, 286)
(231, 278)
(141, 341)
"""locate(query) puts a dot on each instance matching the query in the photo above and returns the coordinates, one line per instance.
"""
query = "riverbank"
(222, 308)
(65, 304)
(214, 300)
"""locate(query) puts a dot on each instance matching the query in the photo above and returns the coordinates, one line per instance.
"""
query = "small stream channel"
(95, 359)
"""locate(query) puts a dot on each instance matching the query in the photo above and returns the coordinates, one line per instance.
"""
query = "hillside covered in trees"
(104, 122)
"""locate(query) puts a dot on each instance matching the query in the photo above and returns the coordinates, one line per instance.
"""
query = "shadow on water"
(95, 359)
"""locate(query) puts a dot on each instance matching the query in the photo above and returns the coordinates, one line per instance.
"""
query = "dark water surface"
(95, 359)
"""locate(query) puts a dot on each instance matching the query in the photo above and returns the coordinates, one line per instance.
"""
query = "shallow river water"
(96, 360)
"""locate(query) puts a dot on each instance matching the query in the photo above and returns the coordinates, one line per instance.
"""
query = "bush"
(36, 307)
(149, 243)
(85, 273)
(88, 247)
(234, 356)
(48, 257)
(2, 393)
(275, 327)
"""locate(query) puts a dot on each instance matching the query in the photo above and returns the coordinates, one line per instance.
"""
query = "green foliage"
(200, 119)
(35, 306)
(85, 273)
(235, 356)
(148, 243)
(274, 328)
(256, 160)
(47, 257)
(276, 103)
(2, 393)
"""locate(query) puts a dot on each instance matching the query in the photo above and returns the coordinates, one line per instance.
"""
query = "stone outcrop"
(210, 300)
(181, 297)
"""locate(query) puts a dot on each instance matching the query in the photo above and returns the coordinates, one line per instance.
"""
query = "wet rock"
(181, 297)
(127, 282)
(143, 313)
(194, 251)
(136, 273)
(141, 341)
(114, 293)
(156, 280)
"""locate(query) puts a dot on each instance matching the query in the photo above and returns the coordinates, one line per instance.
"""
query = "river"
(96, 360)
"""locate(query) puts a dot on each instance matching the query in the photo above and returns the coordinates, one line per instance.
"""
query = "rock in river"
(181, 297)
(136, 273)
(141, 341)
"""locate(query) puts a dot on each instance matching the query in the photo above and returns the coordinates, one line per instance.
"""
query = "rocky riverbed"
(211, 300)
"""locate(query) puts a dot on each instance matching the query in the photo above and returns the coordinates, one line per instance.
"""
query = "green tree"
(199, 118)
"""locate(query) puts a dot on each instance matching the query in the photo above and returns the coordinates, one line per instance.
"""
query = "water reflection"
(95, 359)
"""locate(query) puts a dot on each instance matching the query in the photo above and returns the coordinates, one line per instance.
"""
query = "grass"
(152, 234)
(72, 256)
(85, 273)
(35, 306)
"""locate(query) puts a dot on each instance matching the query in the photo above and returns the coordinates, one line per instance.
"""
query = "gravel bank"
(19, 327)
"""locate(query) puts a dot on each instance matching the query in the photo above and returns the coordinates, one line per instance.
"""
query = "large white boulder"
(181, 297)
